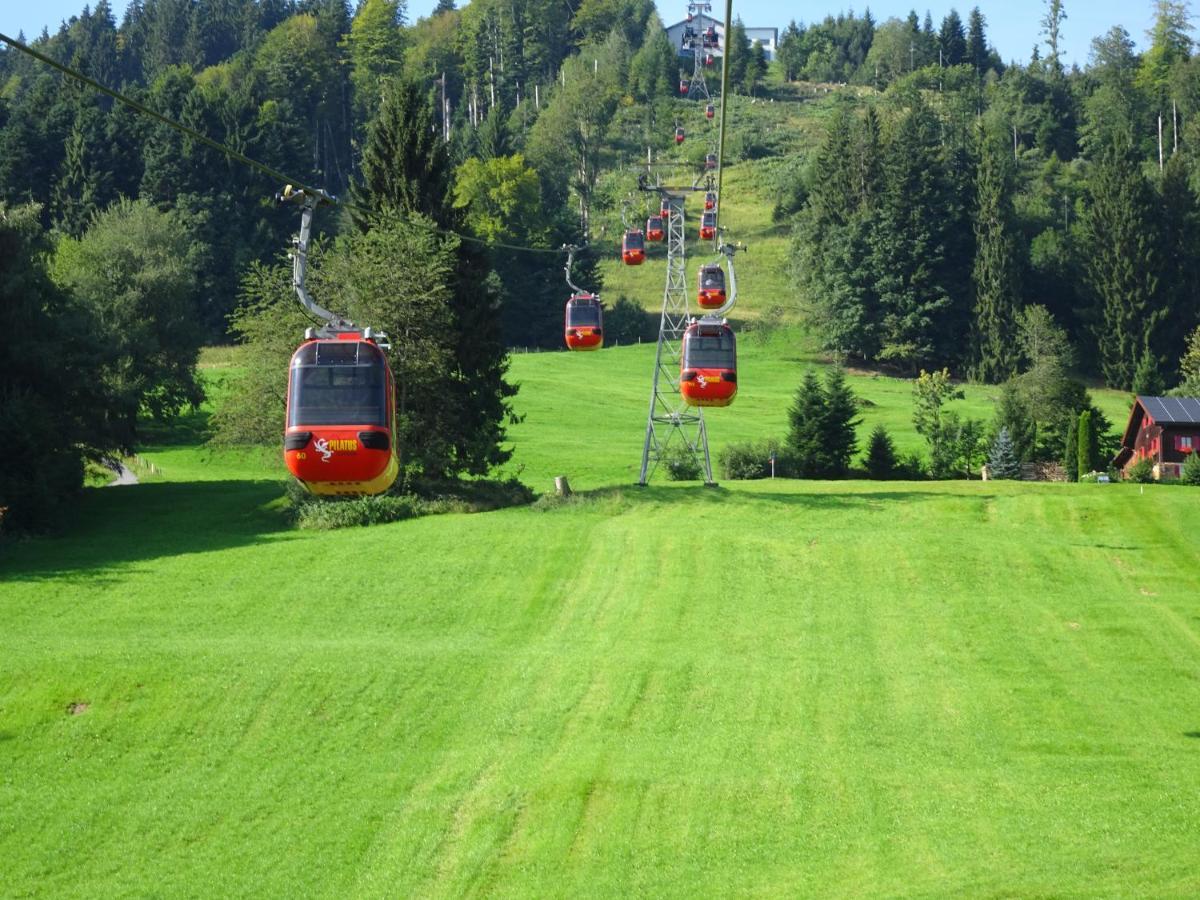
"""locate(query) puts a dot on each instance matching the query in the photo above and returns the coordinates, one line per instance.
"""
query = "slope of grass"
(777, 688)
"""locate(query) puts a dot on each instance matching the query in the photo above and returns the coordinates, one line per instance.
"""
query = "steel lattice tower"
(670, 420)
(698, 86)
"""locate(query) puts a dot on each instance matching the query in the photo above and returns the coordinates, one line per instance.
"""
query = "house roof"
(1172, 410)
(1164, 411)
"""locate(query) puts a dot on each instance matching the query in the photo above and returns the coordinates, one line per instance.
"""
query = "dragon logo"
(321, 445)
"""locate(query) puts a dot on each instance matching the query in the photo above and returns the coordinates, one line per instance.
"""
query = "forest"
(1029, 224)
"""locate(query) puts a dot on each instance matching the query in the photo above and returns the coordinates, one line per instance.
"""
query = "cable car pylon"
(702, 48)
(671, 422)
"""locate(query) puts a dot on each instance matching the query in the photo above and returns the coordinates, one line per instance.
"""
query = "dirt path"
(124, 476)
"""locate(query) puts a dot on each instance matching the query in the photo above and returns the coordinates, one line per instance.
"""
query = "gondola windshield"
(338, 383)
(710, 351)
(712, 279)
(583, 313)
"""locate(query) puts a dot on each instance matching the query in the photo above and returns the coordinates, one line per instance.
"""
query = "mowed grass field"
(770, 688)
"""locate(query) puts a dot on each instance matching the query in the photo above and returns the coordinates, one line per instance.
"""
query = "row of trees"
(854, 49)
(926, 225)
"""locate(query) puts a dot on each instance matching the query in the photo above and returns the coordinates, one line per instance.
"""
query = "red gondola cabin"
(679, 135)
(710, 111)
(340, 432)
(664, 209)
(708, 225)
(710, 200)
(708, 365)
(710, 290)
(633, 248)
(584, 322)
(708, 60)
(710, 161)
(654, 228)
(683, 88)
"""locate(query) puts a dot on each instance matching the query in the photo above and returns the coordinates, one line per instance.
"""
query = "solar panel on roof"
(1173, 410)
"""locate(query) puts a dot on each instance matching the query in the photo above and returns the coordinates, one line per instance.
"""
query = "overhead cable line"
(259, 167)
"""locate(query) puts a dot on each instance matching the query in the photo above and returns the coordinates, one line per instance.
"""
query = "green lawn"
(776, 688)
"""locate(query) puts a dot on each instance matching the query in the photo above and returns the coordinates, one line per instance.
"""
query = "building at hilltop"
(701, 22)
(1163, 430)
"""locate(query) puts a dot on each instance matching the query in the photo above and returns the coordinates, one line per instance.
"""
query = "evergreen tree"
(952, 40)
(737, 52)
(1189, 367)
(1002, 458)
(756, 68)
(881, 455)
(977, 50)
(1070, 459)
(917, 215)
(1179, 223)
(841, 410)
(406, 173)
(1147, 379)
(1088, 444)
(493, 138)
(997, 270)
(1122, 265)
(404, 163)
(806, 434)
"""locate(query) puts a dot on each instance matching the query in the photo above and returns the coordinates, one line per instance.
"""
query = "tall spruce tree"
(1087, 444)
(997, 270)
(1002, 458)
(977, 49)
(1123, 264)
(406, 171)
(1070, 459)
(952, 40)
(881, 460)
(917, 215)
(806, 432)
(841, 420)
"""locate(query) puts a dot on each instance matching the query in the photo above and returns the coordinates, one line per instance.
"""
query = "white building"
(701, 22)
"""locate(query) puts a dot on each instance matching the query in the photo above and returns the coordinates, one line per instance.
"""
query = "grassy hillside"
(776, 688)
(773, 687)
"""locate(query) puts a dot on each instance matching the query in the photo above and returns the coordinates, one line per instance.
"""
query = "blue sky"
(1012, 24)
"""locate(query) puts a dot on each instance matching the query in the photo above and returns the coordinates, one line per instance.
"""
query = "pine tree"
(1070, 459)
(756, 68)
(1180, 230)
(977, 49)
(997, 270)
(841, 410)
(952, 40)
(1122, 264)
(806, 434)
(911, 268)
(881, 455)
(1002, 458)
(404, 163)
(1088, 444)
(1148, 380)
(737, 50)
(406, 171)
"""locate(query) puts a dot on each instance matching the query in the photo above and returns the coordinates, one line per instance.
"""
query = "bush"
(429, 498)
(881, 460)
(1141, 472)
(1191, 469)
(749, 460)
(627, 323)
(682, 465)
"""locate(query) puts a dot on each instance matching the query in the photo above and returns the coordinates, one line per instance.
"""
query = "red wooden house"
(1163, 430)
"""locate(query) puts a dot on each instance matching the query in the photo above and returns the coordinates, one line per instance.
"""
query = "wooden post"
(561, 487)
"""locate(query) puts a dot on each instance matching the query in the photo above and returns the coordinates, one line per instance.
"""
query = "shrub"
(881, 462)
(1002, 458)
(1191, 469)
(749, 460)
(682, 464)
(627, 323)
(327, 513)
(1141, 472)
(426, 498)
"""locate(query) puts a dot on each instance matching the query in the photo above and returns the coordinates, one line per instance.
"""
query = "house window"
(1185, 442)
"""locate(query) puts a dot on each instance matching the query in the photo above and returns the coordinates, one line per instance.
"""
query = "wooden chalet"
(1163, 430)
